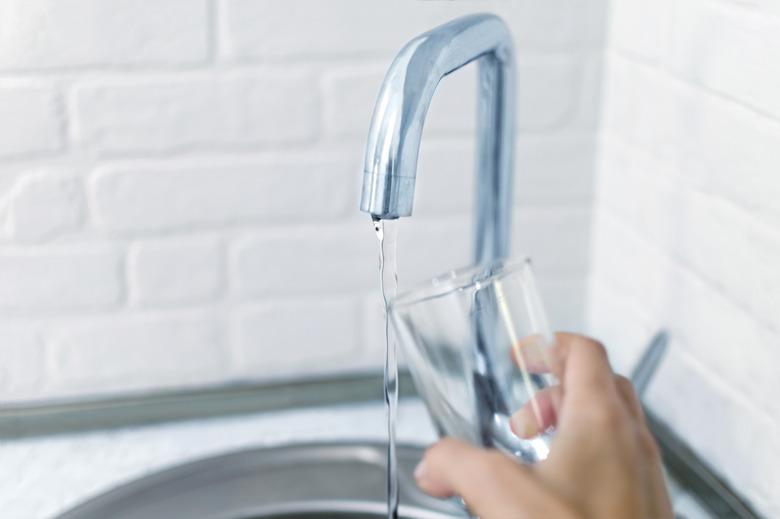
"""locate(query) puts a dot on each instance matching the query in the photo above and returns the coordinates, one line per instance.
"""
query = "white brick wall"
(686, 230)
(158, 350)
(41, 34)
(192, 113)
(309, 332)
(59, 279)
(179, 183)
(346, 29)
(29, 120)
(175, 271)
(23, 357)
(185, 194)
(44, 205)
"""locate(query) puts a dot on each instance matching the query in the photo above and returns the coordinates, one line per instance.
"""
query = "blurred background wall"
(687, 222)
(179, 183)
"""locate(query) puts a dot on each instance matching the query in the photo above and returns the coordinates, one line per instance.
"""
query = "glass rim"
(456, 280)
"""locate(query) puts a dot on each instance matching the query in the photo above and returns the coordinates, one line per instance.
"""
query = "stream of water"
(387, 233)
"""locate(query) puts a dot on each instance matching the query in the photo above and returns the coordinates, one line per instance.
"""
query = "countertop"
(41, 477)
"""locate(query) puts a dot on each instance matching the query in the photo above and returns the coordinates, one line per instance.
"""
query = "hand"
(603, 461)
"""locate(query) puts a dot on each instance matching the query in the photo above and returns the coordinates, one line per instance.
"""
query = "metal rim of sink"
(310, 481)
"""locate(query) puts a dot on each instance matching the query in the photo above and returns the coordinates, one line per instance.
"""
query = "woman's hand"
(603, 461)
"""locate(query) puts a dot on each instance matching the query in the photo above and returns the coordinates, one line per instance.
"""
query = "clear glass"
(477, 345)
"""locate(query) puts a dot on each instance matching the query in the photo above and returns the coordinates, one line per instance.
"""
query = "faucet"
(390, 164)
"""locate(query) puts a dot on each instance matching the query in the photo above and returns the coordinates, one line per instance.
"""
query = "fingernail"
(419, 471)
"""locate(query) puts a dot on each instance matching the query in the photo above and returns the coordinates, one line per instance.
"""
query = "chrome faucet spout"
(390, 165)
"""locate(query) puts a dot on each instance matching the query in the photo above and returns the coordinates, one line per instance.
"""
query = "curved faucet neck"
(390, 165)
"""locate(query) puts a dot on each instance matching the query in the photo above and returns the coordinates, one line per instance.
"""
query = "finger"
(535, 417)
(658, 489)
(491, 483)
(649, 448)
(531, 354)
(629, 397)
(582, 366)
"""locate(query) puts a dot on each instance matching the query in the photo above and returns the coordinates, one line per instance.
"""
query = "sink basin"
(309, 481)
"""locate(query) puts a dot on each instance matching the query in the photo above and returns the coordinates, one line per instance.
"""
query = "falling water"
(387, 233)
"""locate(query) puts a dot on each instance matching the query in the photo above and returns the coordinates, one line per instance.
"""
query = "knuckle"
(442, 449)
(495, 465)
(625, 386)
(597, 347)
(608, 417)
(648, 445)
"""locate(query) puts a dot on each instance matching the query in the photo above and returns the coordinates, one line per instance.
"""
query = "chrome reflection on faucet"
(390, 164)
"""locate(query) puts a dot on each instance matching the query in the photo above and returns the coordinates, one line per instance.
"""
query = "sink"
(307, 481)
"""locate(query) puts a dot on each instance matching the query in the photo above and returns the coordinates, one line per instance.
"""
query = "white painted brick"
(144, 197)
(620, 170)
(619, 323)
(175, 271)
(292, 338)
(453, 107)
(628, 113)
(722, 335)
(198, 112)
(22, 366)
(734, 51)
(36, 34)
(731, 152)
(349, 96)
(29, 120)
(765, 6)
(343, 258)
(555, 237)
(274, 29)
(429, 247)
(587, 116)
(554, 168)
(553, 25)
(733, 251)
(446, 178)
(59, 279)
(125, 353)
(618, 257)
(641, 28)
(547, 169)
(717, 239)
(717, 147)
(548, 94)
(44, 205)
(547, 97)
(564, 299)
(307, 260)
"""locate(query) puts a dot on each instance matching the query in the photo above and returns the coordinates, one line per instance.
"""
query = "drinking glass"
(477, 344)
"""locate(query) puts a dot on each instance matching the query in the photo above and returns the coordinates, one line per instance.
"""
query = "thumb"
(491, 483)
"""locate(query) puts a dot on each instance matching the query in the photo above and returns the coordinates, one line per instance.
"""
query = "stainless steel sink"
(309, 481)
